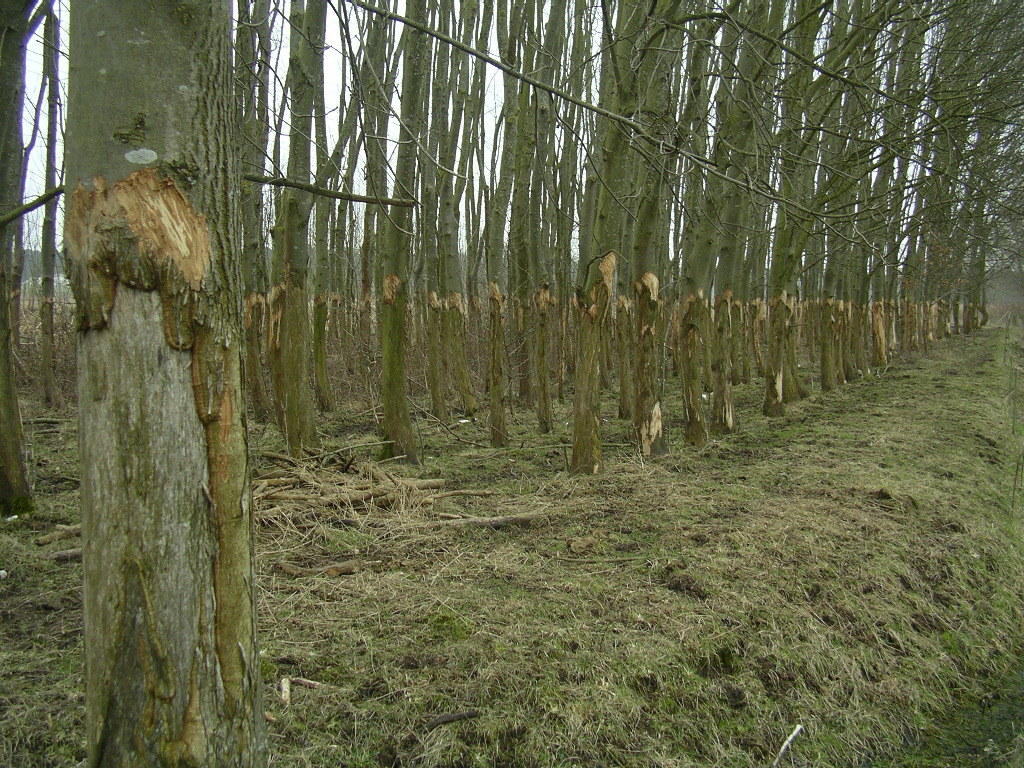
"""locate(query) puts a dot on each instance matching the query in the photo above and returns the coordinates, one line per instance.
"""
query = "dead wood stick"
(503, 521)
(307, 683)
(292, 496)
(786, 745)
(452, 717)
(459, 492)
(66, 555)
(62, 532)
(284, 480)
(381, 475)
(344, 568)
(449, 430)
(422, 484)
(278, 456)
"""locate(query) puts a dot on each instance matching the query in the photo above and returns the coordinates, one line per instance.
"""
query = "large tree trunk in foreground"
(171, 669)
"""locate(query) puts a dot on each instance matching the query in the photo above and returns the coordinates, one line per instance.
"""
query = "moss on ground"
(854, 567)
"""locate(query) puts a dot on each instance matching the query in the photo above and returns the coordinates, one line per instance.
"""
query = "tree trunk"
(723, 412)
(288, 333)
(51, 50)
(592, 309)
(252, 45)
(779, 313)
(171, 668)
(648, 417)
(624, 338)
(15, 495)
(542, 302)
(689, 330)
(397, 424)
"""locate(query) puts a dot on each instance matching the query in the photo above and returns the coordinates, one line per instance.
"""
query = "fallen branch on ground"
(344, 568)
(523, 518)
(66, 555)
(61, 532)
(452, 717)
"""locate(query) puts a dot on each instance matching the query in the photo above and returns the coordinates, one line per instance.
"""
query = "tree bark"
(401, 440)
(592, 308)
(171, 668)
(15, 494)
(288, 331)
(51, 50)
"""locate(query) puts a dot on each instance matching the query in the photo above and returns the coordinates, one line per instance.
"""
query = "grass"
(854, 567)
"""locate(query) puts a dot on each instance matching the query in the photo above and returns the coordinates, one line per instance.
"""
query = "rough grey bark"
(171, 668)
(15, 494)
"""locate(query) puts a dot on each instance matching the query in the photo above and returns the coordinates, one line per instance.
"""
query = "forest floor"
(854, 568)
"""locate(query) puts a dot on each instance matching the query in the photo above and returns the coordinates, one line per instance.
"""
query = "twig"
(344, 568)
(452, 717)
(62, 532)
(786, 744)
(8, 216)
(66, 555)
(449, 430)
(278, 456)
(448, 494)
(307, 683)
(503, 521)
(277, 181)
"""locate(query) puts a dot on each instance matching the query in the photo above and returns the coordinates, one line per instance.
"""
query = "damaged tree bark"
(172, 675)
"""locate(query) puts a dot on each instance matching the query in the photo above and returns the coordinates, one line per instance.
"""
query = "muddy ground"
(854, 568)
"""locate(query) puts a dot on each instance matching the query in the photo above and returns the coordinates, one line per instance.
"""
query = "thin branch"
(30, 206)
(277, 181)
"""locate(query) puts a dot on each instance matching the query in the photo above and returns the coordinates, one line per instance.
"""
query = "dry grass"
(854, 568)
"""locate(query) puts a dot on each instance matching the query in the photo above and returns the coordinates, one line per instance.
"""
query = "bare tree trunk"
(625, 342)
(15, 495)
(542, 303)
(394, 294)
(690, 325)
(51, 50)
(288, 332)
(171, 668)
(252, 80)
(723, 412)
(592, 308)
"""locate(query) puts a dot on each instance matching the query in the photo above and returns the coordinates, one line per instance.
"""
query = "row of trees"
(686, 176)
(618, 180)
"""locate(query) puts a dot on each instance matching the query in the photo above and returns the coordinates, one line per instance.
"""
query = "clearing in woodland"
(854, 568)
